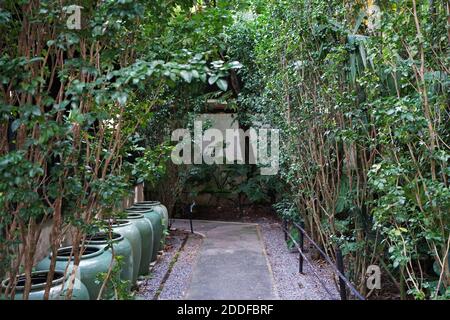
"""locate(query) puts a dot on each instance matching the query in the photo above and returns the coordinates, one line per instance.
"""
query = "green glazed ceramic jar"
(160, 209)
(58, 288)
(93, 261)
(146, 230)
(121, 246)
(132, 234)
(155, 220)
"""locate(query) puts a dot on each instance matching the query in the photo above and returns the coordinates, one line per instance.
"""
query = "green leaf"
(15, 125)
(213, 79)
(186, 75)
(36, 171)
(222, 84)
(122, 99)
(234, 65)
(36, 110)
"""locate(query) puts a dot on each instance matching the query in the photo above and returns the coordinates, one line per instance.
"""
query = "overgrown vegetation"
(361, 101)
(69, 100)
(364, 116)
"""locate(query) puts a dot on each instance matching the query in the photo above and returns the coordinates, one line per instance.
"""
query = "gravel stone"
(148, 288)
(289, 283)
(177, 284)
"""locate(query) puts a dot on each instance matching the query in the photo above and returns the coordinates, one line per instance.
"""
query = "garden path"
(232, 263)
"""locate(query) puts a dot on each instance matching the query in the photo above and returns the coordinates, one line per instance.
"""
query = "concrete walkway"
(232, 263)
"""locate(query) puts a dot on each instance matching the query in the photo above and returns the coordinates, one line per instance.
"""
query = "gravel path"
(289, 283)
(150, 287)
(178, 281)
(170, 278)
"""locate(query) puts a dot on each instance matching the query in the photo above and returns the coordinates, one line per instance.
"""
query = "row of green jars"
(137, 239)
(151, 220)
(96, 258)
(161, 210)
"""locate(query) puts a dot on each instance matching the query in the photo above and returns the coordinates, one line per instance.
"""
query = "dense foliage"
(69, 100)
(360, 96)
(362, 101)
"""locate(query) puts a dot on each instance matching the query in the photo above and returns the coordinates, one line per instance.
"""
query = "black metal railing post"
(340, 266)
(285, 230)
(191, 209)
(300, 256)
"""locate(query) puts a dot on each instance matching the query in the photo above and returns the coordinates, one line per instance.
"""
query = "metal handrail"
(342, 278)
(309, 262)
